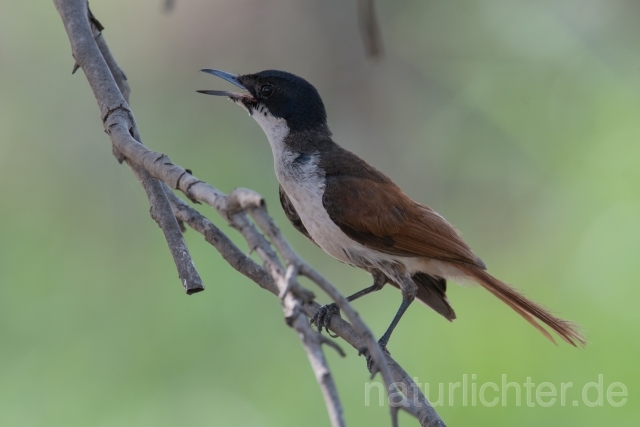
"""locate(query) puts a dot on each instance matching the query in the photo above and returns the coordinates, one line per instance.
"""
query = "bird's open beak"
(231, 78)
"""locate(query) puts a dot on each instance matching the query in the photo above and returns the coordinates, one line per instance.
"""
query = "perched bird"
(358, 215)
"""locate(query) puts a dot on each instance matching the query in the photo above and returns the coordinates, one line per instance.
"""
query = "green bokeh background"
(519, 121)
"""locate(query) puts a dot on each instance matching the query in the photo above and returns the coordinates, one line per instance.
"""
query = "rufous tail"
(526, 308)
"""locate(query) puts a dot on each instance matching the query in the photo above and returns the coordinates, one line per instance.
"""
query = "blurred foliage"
(517, 120)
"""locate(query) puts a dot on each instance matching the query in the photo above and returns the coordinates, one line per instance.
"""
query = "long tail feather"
(526, 308)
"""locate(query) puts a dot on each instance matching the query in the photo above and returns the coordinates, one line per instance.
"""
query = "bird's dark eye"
(266, 90)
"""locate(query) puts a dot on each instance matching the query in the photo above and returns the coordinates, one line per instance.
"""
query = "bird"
(358, 215)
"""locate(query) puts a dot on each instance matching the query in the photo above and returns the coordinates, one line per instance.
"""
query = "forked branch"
(157, 173)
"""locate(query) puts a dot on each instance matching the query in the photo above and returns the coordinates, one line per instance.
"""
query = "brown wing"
(371, 209)
(292, 214)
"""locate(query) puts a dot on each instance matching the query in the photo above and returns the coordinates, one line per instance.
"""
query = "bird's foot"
(367, 354)
(322, 317)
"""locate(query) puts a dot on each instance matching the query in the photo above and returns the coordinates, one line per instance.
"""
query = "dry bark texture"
(245, 211)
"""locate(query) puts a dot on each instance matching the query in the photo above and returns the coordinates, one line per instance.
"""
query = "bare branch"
(160, 207)
(163, 215)
(312, 343)
(416, 402)
(108, 83)
(229, 251)
(83, 28)
(253, 203)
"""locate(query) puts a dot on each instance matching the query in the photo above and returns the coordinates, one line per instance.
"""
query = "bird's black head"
(280, 94)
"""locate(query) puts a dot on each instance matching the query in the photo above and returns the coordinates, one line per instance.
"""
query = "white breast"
(304, 184)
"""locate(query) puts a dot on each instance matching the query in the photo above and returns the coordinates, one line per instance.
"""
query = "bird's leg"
(403, 307)
(409, 291)
(322, 317)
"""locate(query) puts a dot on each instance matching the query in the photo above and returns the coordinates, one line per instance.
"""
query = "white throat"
(275, 128)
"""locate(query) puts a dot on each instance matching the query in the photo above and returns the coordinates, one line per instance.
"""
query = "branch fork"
(245, 211)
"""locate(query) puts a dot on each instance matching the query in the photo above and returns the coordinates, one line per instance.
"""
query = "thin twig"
(252, 202)
(417, 404)
(312, 343)
(108, 84)
(162, 211)
(163, 215)
(369, 28)
(83, 28)
(160, 207)
(225, 246)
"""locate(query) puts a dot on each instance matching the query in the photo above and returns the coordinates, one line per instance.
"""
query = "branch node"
(93, 20)
(243, 199)
(186, 172)
(187, 192)
(121, 107)
(183, 228)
